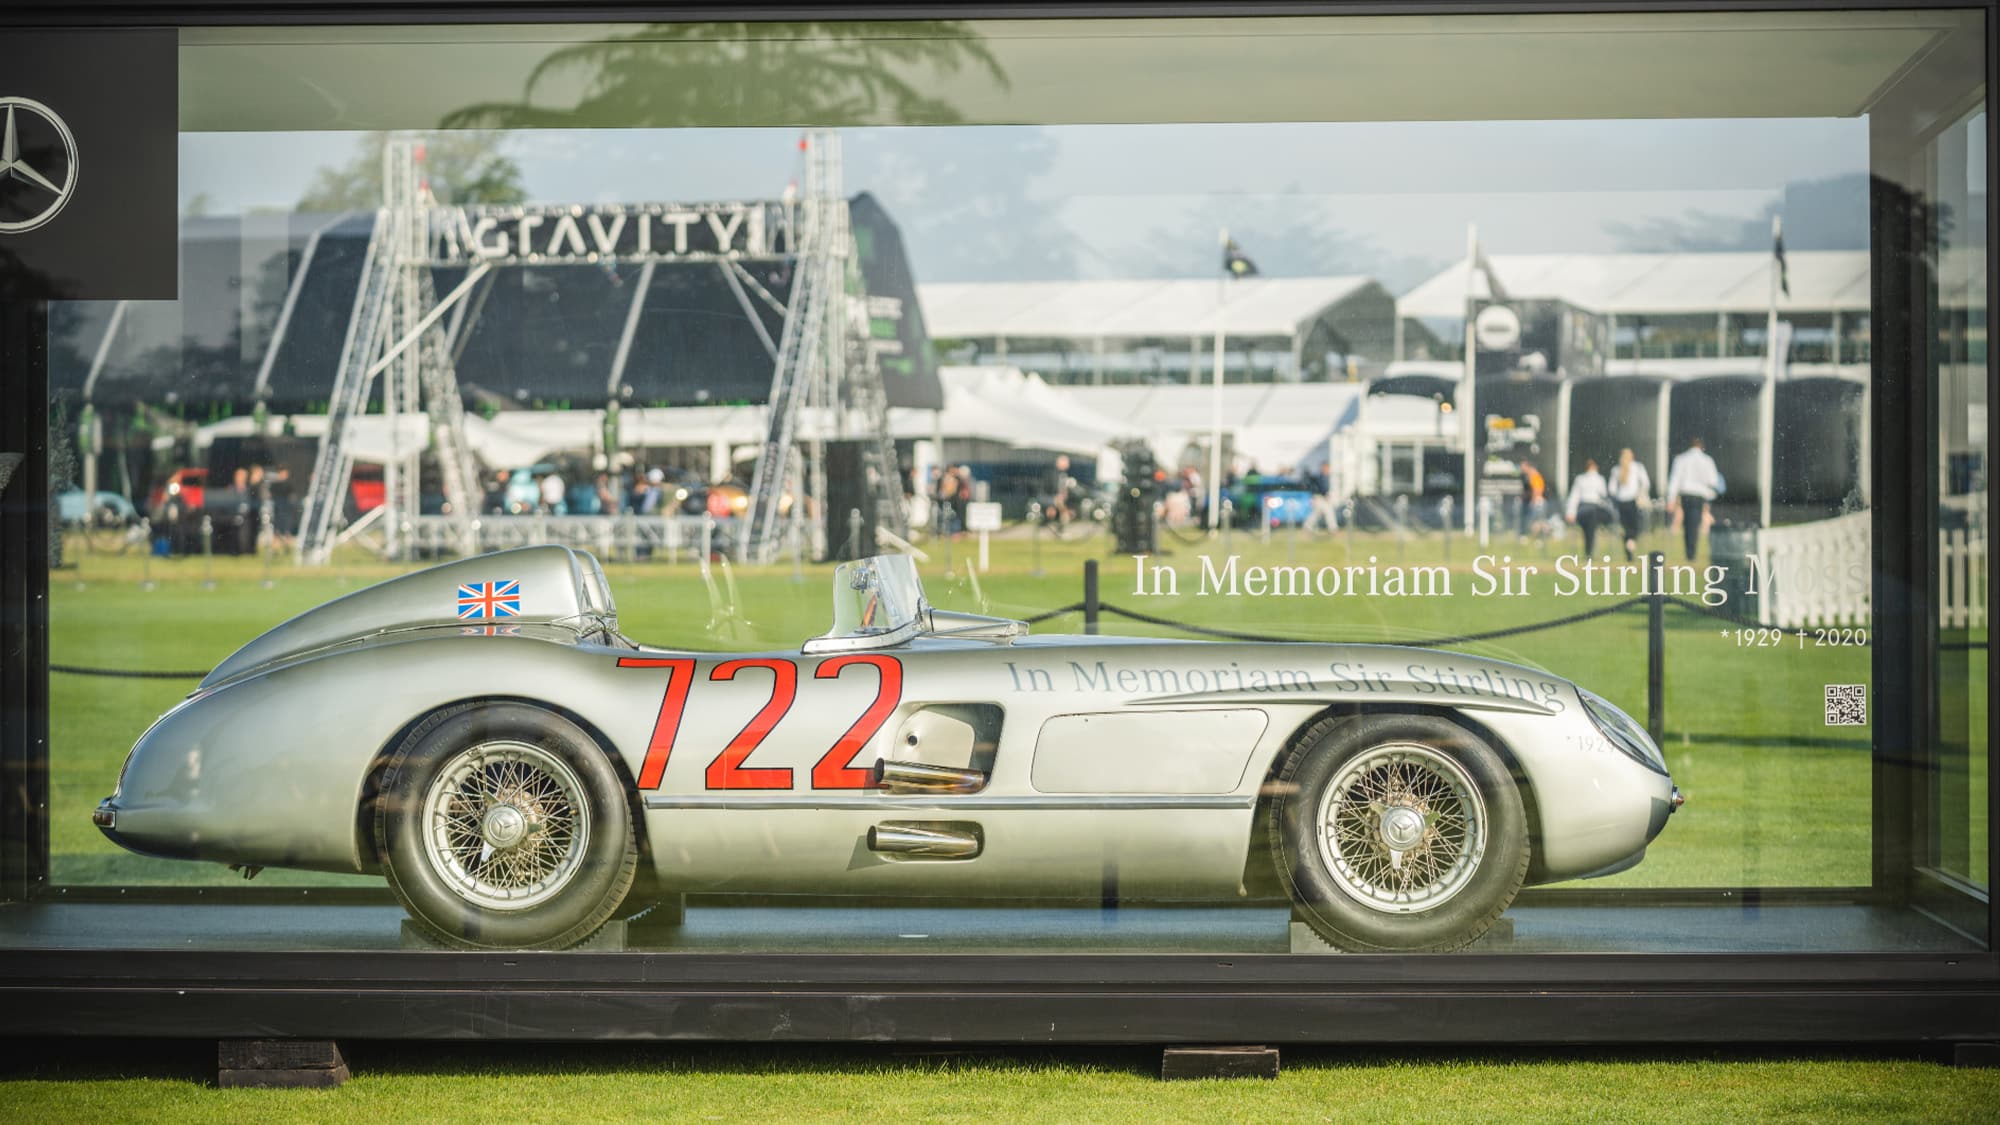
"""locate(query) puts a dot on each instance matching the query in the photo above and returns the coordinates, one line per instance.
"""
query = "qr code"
(1847, 705)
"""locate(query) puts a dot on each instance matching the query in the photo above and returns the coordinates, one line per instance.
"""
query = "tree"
(820, 72)
(1828, 214)
(463, 167)
(966, 202)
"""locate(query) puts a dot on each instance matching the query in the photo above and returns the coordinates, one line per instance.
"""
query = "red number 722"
(834, 770)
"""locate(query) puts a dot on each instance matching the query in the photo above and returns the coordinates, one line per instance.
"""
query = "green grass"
(1775, 797)
(587, 1082)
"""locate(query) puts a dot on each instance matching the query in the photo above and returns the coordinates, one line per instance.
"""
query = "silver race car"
(482, 735)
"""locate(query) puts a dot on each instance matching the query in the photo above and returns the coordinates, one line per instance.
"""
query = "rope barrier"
(1704, 610)
(126, 673)
(1234, 635)
(1073, 607)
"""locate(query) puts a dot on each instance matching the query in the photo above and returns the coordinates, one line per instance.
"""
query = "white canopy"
(1167, 309)
(1635, 284)
(992, 403)
(1274, 424)
(1007, 405)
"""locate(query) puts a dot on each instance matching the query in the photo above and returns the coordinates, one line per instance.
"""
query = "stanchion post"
(854, 533)
(1035, 534)
(146, 567)
(207, 552)
(1090, 596)
(1656, 651)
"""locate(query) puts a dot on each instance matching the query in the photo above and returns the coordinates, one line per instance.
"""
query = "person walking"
(1692, 484)
(1589, 505)
(1629, 487)
(1534, 500)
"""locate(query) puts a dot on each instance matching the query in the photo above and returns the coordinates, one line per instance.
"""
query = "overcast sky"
(1391, 200)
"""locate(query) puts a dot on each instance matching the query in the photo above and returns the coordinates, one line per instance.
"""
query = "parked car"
(185, 489)
(520, 762)
(108, 510)
(1282, 501)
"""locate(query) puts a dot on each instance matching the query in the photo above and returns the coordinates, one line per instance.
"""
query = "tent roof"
(1632, 284)
(1276, 424)
(1171, 309)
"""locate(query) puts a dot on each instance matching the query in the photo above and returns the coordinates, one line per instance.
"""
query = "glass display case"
(1179, 527)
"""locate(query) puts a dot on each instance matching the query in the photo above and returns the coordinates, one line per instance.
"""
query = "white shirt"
(1588, 489)
(1693, 473)
(553, 492)
(1637, 485)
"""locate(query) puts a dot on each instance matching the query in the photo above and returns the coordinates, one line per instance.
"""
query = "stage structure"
(826, 381)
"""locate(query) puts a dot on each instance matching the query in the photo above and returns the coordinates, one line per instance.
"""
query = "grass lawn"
(593, 1082)
(1775, 796)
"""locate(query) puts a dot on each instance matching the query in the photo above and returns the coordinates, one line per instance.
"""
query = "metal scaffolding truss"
(825, 381)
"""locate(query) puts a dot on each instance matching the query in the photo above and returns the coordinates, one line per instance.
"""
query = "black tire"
(597, 861)
(1482, 889)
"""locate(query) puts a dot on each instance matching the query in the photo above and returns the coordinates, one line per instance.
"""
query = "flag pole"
(1767, 397)
(1215, 402)
(1468, 395)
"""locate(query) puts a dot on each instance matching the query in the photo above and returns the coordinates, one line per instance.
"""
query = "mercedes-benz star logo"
(37, 165)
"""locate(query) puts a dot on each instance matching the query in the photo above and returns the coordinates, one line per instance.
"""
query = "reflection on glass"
(1449, 385)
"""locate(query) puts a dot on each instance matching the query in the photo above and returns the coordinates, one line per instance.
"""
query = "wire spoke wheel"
(1402, 827)
(506, 825)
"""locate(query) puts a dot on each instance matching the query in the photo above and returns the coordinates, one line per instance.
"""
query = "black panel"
(544, 335)
(1007, 999)
(696, 345)
(850, 501)
(895, 317)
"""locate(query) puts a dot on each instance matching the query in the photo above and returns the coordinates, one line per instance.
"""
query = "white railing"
(1821, 573)
(1962, 578)
(620, 538)
(1815, 573)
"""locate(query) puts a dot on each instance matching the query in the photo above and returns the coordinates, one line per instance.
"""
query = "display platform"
(1797, 928)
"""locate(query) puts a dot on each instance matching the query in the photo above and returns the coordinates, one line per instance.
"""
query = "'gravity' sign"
(575, 234)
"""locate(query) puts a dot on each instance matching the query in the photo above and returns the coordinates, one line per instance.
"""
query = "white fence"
(1822, 573)
(1962, 578)
(622, 538)
(1816, 573)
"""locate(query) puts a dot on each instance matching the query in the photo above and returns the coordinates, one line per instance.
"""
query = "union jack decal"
(489, 599)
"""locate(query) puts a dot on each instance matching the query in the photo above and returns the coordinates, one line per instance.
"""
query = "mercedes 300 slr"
(482, 735)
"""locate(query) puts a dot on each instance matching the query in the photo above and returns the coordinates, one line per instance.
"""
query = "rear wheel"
(1398, 833)
(504, 825)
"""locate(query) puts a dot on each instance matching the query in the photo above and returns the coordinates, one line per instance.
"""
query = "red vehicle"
(188, 487)
(367, 488)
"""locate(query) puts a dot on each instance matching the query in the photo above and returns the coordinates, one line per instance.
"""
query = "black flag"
(1778, 252)
(1234, 262)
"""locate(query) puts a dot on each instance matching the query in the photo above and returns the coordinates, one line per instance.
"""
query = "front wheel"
(1399, 833)
(504, 826)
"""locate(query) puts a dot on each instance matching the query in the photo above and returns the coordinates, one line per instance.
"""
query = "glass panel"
(1510, 446)
(1958, 168)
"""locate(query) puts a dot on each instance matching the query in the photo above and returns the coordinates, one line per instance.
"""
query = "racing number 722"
(834, 770)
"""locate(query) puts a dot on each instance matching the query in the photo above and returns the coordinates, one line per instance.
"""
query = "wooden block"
(1305, 939)
(1982, 1055)
(277, 1054)
(321, 1078)
(611, 938)
(279, 1063)
(1219, 1062)
(664, 912)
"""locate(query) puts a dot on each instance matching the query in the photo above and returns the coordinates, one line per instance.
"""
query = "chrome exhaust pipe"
(917, 777)
(917, 840)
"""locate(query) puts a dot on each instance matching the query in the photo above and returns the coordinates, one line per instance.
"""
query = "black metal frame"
(1525, 998)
